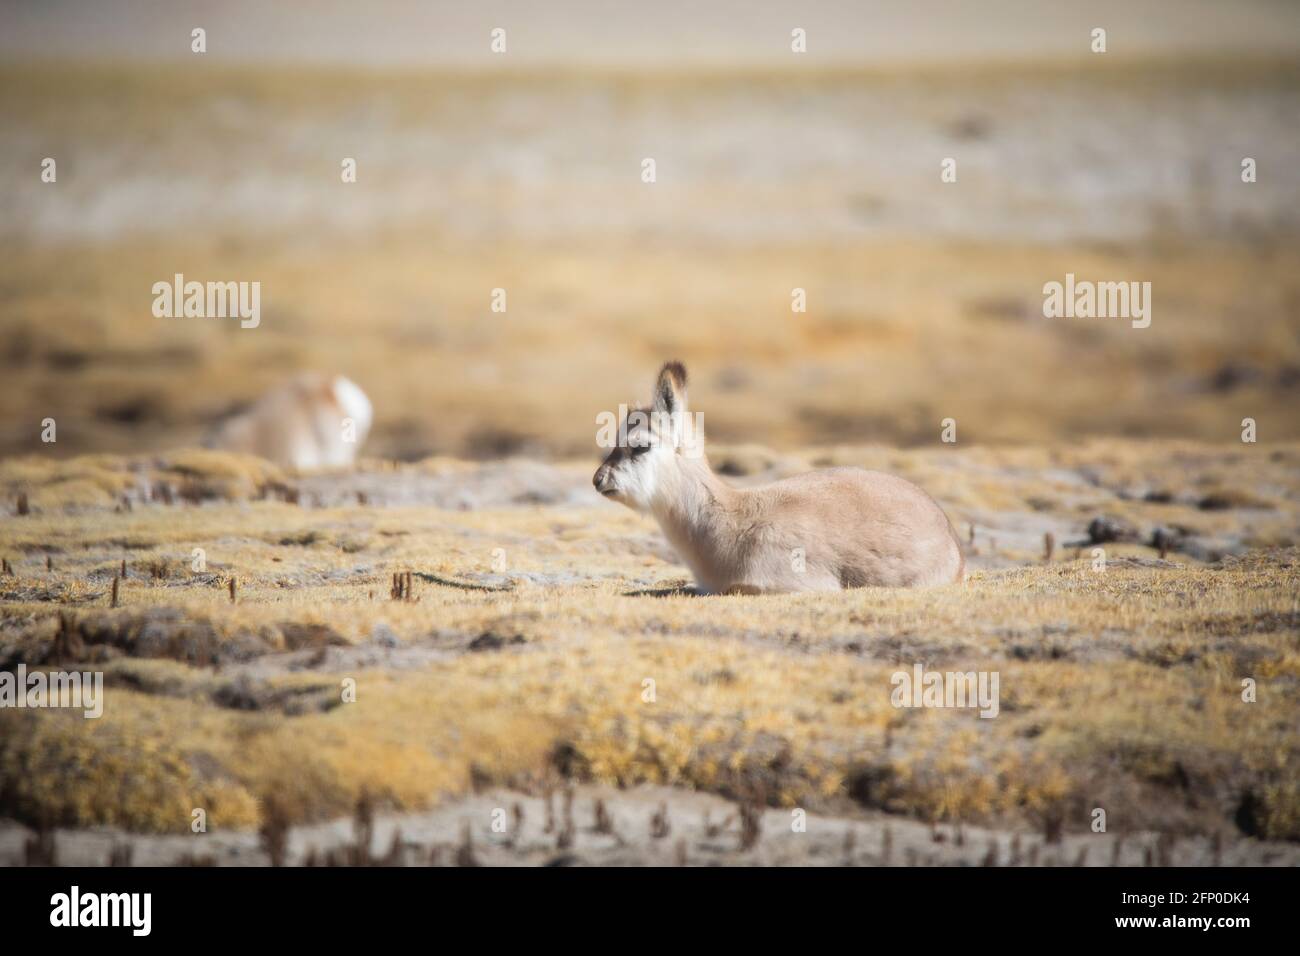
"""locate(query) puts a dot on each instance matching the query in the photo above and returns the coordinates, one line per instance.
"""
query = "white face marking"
(629, 474)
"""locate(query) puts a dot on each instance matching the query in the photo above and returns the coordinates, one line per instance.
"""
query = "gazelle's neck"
(695, 509)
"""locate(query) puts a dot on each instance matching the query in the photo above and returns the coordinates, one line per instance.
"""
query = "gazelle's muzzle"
(604, 479)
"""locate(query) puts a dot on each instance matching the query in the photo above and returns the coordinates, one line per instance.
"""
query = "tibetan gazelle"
(308, 422)
(820, 531)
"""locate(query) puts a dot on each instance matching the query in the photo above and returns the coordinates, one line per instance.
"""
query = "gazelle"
(310, 421)
(820, 531)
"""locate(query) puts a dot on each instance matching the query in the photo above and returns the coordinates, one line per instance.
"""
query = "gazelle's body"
(820, 531)
(311, 421)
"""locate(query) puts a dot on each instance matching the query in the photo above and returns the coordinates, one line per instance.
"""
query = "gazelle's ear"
(673, 418)
(670, 390)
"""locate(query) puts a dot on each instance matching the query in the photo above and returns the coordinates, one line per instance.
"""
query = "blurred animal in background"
(821, 531)
(312, 421)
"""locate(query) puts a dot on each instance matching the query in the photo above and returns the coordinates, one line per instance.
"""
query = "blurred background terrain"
(775, 171)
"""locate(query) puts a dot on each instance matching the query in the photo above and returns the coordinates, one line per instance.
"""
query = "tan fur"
(299, 424)
(820, 531)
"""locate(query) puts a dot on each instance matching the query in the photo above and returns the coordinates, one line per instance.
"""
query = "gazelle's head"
(646, 461)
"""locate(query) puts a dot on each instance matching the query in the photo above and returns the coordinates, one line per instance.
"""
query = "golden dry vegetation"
(524, 666)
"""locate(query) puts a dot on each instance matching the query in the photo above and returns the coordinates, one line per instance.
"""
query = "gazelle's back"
(854, 528)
